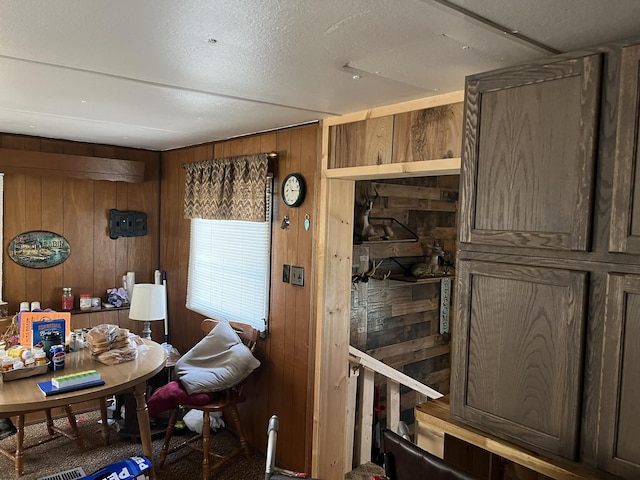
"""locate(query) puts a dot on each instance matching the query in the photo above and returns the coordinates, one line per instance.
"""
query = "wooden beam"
(333, 289)
(365, 416)
(435, 416)
(441, 166)
(44, 164)
(422, 103)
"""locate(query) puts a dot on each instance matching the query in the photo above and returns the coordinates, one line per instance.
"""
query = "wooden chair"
(226, 402)
(54, 432)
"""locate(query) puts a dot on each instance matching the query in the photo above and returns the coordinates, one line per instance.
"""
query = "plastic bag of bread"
(107, 337)
(118, 355)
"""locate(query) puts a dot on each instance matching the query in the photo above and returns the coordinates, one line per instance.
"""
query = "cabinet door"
(618, 450)
(625, 206)
(529, 155)
(518, 348)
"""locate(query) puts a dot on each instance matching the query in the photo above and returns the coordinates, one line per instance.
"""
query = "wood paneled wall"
(398, 322)
(79, 211)
(283, 384)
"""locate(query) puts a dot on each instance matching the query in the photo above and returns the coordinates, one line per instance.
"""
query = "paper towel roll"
(130, 281)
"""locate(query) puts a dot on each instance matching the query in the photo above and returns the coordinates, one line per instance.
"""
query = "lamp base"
(146, 331)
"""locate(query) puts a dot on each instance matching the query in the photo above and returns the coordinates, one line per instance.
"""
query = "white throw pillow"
(217, 362)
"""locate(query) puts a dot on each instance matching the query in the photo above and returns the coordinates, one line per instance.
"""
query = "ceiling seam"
(514, 34)
(166, 85)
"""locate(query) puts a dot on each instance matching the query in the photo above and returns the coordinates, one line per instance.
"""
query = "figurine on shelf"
(117, 297)
(430, 268)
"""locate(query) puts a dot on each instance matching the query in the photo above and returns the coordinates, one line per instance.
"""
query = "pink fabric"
(171, 395)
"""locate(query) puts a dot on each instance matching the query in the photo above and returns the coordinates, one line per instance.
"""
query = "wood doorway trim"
(333, 250)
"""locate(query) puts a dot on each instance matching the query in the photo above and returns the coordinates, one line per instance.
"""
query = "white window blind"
(229, 269)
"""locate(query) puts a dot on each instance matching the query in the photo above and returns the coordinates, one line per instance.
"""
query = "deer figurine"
(363, 228)
(430, 268)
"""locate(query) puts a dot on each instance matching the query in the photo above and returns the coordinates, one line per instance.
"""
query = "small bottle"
(67, 299)
(85, 301)
(7, 364)
(39, 356)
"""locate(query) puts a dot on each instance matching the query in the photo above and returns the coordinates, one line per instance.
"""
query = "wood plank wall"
(283, 384)
(398, 322)
(79, 211)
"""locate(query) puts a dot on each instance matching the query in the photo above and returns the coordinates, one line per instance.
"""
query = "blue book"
(45, 327)
(48, 389)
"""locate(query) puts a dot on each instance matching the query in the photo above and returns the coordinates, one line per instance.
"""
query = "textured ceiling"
(161, 74)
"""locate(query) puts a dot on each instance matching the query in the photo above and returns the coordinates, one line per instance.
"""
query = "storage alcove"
(395, 317)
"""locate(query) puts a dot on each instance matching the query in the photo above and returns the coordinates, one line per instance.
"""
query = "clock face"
(293, 190)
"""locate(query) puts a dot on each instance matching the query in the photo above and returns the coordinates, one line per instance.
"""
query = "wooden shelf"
(409, 278)
(434, 415)
(70, 166)
(77, 312)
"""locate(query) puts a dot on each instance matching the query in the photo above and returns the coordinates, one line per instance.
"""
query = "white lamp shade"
(148, 302)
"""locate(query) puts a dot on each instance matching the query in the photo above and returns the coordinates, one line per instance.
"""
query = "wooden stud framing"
(333, 273)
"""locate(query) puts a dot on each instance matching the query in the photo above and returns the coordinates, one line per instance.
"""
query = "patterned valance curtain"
(231, 188)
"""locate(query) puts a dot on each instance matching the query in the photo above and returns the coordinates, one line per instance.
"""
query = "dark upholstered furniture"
(406, 461)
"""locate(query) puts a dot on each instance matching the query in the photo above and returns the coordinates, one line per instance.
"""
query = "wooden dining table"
(22, 396)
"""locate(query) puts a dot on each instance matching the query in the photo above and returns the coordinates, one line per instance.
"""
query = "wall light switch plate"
(286, 271)
(297, 276)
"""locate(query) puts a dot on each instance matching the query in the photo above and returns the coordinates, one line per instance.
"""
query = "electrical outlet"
(286, 269)
(297, 276)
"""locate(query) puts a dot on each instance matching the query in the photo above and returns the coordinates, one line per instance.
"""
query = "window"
(229, 268)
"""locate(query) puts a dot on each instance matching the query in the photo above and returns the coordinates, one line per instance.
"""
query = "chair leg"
(105, 420)
(167, 437)
(19, 443)
(235, 417)
(74, 427)
(206, 432)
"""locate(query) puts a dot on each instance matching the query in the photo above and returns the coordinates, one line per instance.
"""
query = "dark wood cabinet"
(618, 450)
(546, 339)
(519, 352)
(625, 207)
(529, 155)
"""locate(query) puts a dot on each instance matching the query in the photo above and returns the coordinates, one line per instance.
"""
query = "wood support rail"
(71, 166)
(362, 370)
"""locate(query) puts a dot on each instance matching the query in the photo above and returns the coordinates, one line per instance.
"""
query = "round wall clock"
(293, 190)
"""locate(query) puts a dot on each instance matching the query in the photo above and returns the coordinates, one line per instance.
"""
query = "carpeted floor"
(62, 454)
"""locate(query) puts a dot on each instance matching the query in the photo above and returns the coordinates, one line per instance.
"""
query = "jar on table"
(67, 299)
(85, 301)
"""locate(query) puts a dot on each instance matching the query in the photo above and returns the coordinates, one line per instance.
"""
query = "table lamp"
(148, 303)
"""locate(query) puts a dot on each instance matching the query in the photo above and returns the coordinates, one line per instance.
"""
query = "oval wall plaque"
(39, 249)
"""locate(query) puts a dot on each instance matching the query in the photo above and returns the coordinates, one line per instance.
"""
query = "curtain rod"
(270, 155)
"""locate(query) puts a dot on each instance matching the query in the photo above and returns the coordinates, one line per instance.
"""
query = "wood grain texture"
(333, 264)
(537, 120)
(625, 207)
(522, 357)
(436, 415)
(620, 417)
(368, 142)
(70, 166)
(284, 382)
(78, 210)
(428, 134)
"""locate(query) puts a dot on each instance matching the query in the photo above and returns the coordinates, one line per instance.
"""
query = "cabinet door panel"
(519, 348)
(625, 207)
(528, 162)
(618, 450)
